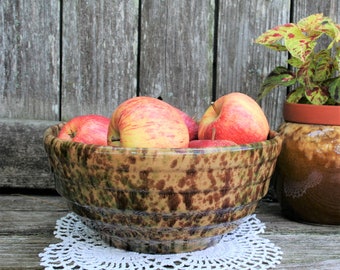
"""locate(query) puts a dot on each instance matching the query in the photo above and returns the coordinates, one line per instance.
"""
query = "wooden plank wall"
(59, 59)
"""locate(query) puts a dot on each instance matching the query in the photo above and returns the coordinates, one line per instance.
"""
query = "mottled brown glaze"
(161, 200)
(308, 181)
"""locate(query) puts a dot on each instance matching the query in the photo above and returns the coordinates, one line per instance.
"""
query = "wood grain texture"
(23, 161)
(99, 42)
(241, 64)
(27, 224)
(177, 42)
(99, 60)
(89, 56)
(305, 8)
(29, 59)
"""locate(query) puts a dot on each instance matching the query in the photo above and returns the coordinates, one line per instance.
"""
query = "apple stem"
(72, 134)
(214, 107)
(213, 133)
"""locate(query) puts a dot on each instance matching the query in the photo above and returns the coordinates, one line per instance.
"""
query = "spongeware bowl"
(161, 200)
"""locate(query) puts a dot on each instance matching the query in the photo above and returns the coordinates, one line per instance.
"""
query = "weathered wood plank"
(305, 249)
(23, 162)
(100, 50)
(302, 245)
(324, 265)
(32, 203)
(29, 59)
(241, 64)
(99, 55)
(304, 8)
(21, 251)
(176, 59)
(27, 224)
(270, 213)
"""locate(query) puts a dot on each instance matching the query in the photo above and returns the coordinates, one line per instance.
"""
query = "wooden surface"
(59, 59)
(23, 161)
(27, 223)
(176, 52)
(29, 59)
(99, 55)
(63, 58)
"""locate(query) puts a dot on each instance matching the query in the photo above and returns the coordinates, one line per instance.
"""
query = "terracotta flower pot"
(308, 168)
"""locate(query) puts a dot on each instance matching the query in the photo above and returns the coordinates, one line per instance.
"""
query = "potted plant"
(308, 169)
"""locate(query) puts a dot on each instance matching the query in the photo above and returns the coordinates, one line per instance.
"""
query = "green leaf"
(280, 76)
(313, 25)
(316, 95)
(295, 62)
(316, 25)
(296, 95)
(334, 90)
(337, 59)
(305, 73)
(298, 44)
(323, 66)
(313, 68)
(271, 38)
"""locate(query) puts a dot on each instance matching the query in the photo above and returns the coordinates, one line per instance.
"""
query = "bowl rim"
(50, 137)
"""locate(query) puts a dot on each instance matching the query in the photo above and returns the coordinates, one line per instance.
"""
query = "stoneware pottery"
(308, 168)
(161, 200)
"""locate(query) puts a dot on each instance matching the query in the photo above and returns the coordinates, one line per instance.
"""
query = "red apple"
(210, 143)
(147, 122)
(235, 117)
(89, 129)
(191, 124)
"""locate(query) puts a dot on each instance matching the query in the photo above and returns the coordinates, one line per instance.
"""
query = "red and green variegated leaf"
(295, 62)
(296, 95)
(298, 44)
(315, 25)
(337, 58)
(323, 66)
(334, 90)
(337, 38)
(331, 30)
(312, 24)
(316, 95)
(305, 73)
(276, 47)
(280, 76)
(271, 38)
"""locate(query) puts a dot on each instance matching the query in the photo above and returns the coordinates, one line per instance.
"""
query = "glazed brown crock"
(155, 200)
(308, 167)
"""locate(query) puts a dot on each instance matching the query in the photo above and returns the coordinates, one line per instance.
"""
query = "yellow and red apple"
(236, 117)
(147, 122)
(191, 124)
(90, 129)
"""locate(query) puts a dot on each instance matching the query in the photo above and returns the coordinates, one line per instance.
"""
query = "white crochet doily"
(82, 248)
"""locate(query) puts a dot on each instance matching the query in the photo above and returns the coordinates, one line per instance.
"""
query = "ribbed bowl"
(161, 200)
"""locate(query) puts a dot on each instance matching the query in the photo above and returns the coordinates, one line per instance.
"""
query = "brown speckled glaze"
(161, 200)
(308, 178)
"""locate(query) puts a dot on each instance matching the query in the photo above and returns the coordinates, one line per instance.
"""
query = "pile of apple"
(143, 121)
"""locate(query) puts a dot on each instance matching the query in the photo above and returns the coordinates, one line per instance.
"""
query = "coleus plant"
(313, 67)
